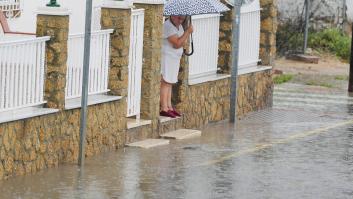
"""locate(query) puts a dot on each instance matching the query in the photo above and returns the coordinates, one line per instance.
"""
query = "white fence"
(206, 39)
(135, 63)
(22, 65)
(99, 64)
(249, 44)
(9, 6)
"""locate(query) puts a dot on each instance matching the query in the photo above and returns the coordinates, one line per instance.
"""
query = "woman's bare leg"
(164, 95)
(170, 106)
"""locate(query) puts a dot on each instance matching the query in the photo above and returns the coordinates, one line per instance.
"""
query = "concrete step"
(149, 143)
(182, 134)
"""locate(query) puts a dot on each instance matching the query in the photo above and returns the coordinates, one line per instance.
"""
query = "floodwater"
(301, 148)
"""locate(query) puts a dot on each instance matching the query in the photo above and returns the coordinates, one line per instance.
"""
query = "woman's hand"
(190, 29)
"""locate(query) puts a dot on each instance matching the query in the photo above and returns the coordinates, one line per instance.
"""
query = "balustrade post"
(117, 15)
(225, 40)
(54, 22)
(151, 69)
(268, 32)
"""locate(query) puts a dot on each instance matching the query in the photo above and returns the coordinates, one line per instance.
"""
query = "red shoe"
(176, 113)
(167, 114)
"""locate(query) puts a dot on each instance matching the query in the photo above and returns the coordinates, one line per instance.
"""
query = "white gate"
(135, 63)
(206, 38)
(249, 44)
(22, 65)
(99, 64)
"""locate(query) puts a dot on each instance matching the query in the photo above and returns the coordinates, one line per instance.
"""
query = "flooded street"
(301, 148)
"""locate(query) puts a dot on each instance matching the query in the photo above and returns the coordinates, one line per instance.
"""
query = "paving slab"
(149, 143)
(182, 134)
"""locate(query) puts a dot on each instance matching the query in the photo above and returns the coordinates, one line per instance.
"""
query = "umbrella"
(193, 7)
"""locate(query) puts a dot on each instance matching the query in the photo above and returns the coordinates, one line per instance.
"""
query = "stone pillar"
(54, 22)
(118, 17)
(225, 41)
(151, 68)
(268, 31)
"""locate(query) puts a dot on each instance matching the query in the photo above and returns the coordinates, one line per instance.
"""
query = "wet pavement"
(301, 148)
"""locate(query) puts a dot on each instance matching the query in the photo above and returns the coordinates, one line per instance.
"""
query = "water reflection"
(259, 163)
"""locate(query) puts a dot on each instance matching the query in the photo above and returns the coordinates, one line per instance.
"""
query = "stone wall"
(268, 32)
(205, 102)
(255, 92)
(210, 101)
(120, 21)
(57, 27)
(29, 145)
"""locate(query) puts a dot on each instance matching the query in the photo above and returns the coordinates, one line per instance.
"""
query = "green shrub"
(331, 40)
(290, 39)
(282, 78)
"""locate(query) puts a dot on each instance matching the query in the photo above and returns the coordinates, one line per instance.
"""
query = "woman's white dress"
(170, 55)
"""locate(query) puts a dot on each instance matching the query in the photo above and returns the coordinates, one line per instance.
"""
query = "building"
(40, 79)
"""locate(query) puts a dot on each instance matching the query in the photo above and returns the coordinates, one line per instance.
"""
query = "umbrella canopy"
(193, 7)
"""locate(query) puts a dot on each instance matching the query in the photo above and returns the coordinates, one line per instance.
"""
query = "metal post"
(235, 60)
(350, 84)
(87, 47)
(307, 6)
(53, 3)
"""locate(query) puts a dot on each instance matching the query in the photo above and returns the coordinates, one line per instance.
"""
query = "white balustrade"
(206, 39)
(135, 63)
(9, 6)
(99, 64)
(22, 65)
(249, 44)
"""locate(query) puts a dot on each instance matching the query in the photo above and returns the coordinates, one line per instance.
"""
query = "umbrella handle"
(192, 48)
(192, 44)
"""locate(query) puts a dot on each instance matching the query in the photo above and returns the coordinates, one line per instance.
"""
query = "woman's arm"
(178, 42)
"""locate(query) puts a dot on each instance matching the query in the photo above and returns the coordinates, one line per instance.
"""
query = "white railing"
(206, 39)
(135, 63)
(22, 65)
(99, 64)
(249, 44)
(9, 6)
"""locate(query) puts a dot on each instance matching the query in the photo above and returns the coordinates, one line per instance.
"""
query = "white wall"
(291, 8)
(350, 10)
(27, 21)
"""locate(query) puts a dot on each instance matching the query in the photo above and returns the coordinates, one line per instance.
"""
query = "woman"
(174, 39)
